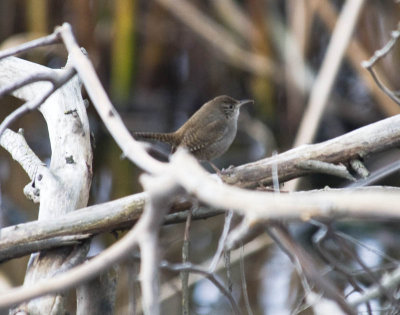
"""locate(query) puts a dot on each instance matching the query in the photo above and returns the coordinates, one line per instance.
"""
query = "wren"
(208, 133)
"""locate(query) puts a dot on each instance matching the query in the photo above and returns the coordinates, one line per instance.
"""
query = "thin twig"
(383, 87)
(306, 268)
(222, 241)
(57, 81)
(133, 270)
(274, 173)
(389, 294)
(210, 276)
(244, 283)
(185, 257)
(367, 247)
(52, 77)
(51, 39)
(227, 263)
(326, 168)
(245, 231)
(379, 54)
(388, 281)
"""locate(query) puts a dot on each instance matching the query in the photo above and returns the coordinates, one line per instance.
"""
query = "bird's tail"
(163, 137)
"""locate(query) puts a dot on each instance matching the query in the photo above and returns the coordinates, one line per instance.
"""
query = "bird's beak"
(243, 102)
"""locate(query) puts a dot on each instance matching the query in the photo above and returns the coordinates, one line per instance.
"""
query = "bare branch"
(51, 39)
(264, 205)
(261, 243)
(379, 54)
(185, 258)
(53, 77)
(364, 141)
(30, 237)
(64, 186)
(35, 103)
(222, 241)
(20, 151)
(326, 168)
(110, 117)
(388, 282)
(244, 283)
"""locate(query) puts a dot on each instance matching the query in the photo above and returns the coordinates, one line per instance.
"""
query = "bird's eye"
(230, 106)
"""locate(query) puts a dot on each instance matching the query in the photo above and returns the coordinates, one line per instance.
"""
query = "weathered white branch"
(359, 143)
(64, 186)
(131, 148)
(20, 151)
(161, 190)
(22, 238)
(264, 206)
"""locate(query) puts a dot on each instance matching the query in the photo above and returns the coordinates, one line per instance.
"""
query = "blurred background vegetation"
(158, 68)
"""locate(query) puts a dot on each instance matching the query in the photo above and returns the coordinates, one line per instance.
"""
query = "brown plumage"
(208, 133)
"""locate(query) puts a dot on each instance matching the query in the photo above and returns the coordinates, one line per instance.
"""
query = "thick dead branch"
(64, 186)
(28, 237)
(20, 151)
(301, 206)
(364, 141)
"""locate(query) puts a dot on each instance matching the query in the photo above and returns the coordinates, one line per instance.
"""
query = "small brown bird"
(208, 133)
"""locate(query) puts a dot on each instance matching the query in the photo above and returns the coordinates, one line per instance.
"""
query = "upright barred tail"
(163, 137)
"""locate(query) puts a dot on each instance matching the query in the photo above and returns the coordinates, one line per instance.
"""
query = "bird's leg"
(216, 169)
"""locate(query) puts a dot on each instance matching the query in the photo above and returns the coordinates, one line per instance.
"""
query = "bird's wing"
(198, 139)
